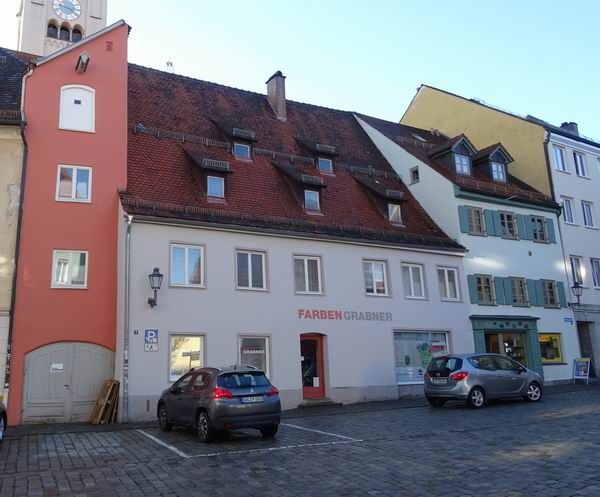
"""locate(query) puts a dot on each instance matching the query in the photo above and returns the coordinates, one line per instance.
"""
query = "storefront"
(413, 352)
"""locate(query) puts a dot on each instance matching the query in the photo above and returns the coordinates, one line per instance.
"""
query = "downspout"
(126, 322)
(13, 295)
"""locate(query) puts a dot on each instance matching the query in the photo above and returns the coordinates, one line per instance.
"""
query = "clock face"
(69, 10)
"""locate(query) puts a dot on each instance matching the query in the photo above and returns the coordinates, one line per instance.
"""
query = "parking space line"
(175, 450)
(271, 449)
(350, 439)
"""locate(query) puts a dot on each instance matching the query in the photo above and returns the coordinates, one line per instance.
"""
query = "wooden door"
(313, 374)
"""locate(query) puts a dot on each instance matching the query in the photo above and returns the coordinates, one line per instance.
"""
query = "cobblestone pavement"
(507, 449)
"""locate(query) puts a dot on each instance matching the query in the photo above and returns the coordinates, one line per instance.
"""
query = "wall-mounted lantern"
(155, 282)
(577, 290)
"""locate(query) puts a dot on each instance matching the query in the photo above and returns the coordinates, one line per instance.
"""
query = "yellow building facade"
(452, 115)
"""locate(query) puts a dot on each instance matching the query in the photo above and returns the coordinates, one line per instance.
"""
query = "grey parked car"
(219, 399)
(3, 421)
(476, 378)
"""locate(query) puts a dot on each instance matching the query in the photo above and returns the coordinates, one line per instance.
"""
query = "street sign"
(581, 369)
(150, 340)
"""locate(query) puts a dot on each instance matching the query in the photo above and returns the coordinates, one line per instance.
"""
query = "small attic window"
(311, 200)
(241, 150)
(414, 175)
(325, 165)
(394, 213)
(498, 172)
(215, 187)
(463, 164)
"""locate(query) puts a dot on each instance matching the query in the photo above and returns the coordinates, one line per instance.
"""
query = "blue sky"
(531, 57)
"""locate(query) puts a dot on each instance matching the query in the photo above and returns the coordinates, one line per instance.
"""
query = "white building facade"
(518, 287)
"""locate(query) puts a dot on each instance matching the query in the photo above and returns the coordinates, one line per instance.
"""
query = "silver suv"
(476, 378)
(219, 399)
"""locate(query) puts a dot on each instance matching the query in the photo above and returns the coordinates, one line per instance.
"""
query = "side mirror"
(521, 369)
(174, 389)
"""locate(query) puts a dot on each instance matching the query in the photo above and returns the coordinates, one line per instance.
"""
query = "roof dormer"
(456, 153)
(493, 161)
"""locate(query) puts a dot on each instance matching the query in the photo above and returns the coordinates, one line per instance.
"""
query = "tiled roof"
(13, 66)
(479, 182)
(173, 118)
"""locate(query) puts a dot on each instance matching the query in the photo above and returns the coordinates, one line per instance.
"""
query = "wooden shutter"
(463, 217)
(532, 292)
(551, 230)
(562, 297)
(508, 294)
(472, 281)
(490, 226)
(499, 291)
(521, 227)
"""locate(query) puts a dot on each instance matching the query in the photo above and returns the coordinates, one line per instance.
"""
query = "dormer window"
(498, 172)
(463, 164)
(394, 213)
(215, 187)
(241, 151)
(325, 165)
(311, 200)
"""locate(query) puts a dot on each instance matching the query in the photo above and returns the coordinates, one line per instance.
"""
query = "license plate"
(439, 381)
(253, 400)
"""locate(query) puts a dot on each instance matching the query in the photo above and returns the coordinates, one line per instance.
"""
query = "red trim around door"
(313, 371)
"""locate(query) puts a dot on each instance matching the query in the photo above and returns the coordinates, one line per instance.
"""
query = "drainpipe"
(13, 295)
(126, 322)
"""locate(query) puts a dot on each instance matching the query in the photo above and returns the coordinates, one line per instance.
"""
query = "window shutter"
(508, 295)
(521, 227)
(532, 292)
(471, 280)
(562, 297)
(497, 223)
(551, 231)
(490, 227)
(463, 217)
(499, 291)
(539, 290)
(529, 224)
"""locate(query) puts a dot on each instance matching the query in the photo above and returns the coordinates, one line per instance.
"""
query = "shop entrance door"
(313, 379)
(585, 344)
(509, 344)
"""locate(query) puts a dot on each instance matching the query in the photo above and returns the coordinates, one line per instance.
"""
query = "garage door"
(63, 380)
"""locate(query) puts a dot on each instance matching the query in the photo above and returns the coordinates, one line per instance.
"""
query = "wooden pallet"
(105, 410)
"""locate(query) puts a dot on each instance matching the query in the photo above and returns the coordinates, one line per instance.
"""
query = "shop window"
(311, 200)
(186, 352)
(77, 108)
(375, 274)
(325, 165)
(539, 229)
(241, 151)
(412, 276)
(508, 225)
(596, 271)
(485, 289)
(550, 293)
(254, 351)
(448, 283)
(187, 265)
(395, 213)
(69, 269)
(414, 351)
(475, 219)
(251, 270)
(307, 274)
(551, 348)
(74, 184)
(518, 287)
(215, 187)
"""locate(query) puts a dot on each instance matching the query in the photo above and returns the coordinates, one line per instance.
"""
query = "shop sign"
(581, 369)
(150, 340)
(340, 315)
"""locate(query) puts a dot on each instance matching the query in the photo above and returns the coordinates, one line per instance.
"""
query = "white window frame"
(318, 195)
(392, 208)
(576, 263)
(588, 222)
(305, 259)
(412, 266)
(492, 289)
(267, 339)
(73, 197)
(221, 181)
(499, 172)
(545, 292)
(446, 270)
(470, 216)
(508, 236)
(460, 164)
(60, 108)
(523, 281)
(55, 284)
(202, 337)
(595, 264)
(187, 247)
(568, 201)
(324, 159)
(249, 253)
(243, 157)
(581, 163)
(372, 262)
(560, 164)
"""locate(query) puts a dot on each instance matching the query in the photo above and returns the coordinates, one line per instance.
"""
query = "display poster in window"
(581, 369)
(186, 353)
(150, 340)
(414, 352)
(253, 352)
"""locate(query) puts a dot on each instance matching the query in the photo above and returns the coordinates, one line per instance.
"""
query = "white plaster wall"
(359, 355)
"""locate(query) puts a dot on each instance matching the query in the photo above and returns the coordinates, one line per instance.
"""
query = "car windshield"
(443, 366)
(243, 380)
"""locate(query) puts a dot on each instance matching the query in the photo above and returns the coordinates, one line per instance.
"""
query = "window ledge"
(174, 285)
(561, 171)
(455, 301)
(74, 200)
(310, 294)
(216, 200)
(409, 297)
(244, 289)
(313, 212)
(554, 363)
(583, 177)
(68, 287)
(592, 228)
(570, 224)
(77, 130)
(377, 295)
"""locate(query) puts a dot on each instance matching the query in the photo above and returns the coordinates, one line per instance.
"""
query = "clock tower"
(46, 26)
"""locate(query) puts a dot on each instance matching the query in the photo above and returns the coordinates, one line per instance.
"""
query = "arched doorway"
(63, 380)
(313, 367)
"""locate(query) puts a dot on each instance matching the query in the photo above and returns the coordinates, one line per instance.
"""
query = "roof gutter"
(125, 414)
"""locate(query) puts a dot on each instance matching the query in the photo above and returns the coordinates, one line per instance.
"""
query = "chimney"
(571, 128)
(276, 95)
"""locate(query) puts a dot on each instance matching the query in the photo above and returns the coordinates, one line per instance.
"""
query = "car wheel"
(269, 431)
(476, 398)
(163, 419)
(534, 392)
(436, 402)
(204, 428)
(2, 428)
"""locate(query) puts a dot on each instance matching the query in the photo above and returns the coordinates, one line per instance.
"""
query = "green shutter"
(508, 295)
(490, 227)
(532, 292)
(521, 227)
(471, 280)
(463, 217)
(551, 231)
(562, 297)
(497, 223)
(539, 290)
(499, 291)
(529, 224)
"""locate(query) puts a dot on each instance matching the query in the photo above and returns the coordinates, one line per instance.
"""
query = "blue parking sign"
(150, 340)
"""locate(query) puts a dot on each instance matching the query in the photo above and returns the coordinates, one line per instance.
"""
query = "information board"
(581, 369)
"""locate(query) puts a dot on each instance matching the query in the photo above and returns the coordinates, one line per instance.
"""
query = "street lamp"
(577, 290)
(155, 282)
